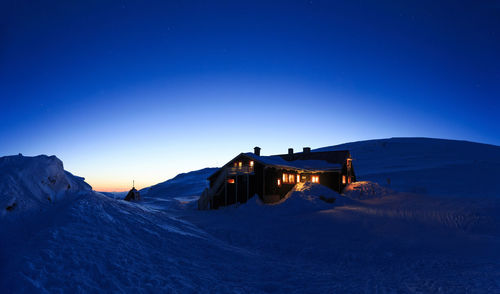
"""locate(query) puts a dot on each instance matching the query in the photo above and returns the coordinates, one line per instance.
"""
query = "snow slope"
(427, 166)
(370, 240)
(182, 189)
(186, 184)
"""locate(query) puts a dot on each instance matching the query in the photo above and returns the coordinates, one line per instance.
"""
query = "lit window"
(230, 181)
(315, 179)
(240, 164)
(343, 180)
(298, 178)
(279, 182)
(235, 164)
(349, 180)
(291, 178)
(251, 163)
(285, 177)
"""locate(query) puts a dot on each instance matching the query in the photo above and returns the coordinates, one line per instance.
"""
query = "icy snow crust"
(33, 184)
(371, 239)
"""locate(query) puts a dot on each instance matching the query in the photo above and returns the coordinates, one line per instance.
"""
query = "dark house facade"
(272, 177)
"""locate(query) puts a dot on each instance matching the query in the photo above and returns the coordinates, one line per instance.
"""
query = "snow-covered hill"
(372, 239)
(182, 189)
(182, 185)
(427, 166)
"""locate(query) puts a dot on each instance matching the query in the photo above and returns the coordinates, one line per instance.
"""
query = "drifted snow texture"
(366, 190)
(371, 239)
(31, 184)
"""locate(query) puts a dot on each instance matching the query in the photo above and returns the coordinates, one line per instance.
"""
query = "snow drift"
(309, 197)
(365, 190)
(30, 184)
(303, 198)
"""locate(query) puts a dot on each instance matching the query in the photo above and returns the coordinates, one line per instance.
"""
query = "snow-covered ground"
(409, 236)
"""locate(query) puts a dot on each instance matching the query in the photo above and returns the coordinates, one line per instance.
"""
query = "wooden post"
(340, 182)
(225, 188)
(263, 182)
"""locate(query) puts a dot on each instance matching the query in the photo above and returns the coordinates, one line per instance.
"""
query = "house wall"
(331, 180)
(274, 192)
(243, 188)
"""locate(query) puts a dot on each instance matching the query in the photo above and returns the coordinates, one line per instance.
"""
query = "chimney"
(256, 150)
(290, 151)
(307, 149)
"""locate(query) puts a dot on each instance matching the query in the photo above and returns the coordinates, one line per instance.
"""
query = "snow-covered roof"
(306, 165)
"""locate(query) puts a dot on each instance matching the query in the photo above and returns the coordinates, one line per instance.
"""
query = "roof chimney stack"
(290, 151)
(307, 149)
(256, 150)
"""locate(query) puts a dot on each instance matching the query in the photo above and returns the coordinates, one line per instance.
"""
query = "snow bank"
(30, 184)
(310, 193)
(365, 190)
(303, 198)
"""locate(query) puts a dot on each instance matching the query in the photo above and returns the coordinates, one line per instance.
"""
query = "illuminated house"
(272, 177)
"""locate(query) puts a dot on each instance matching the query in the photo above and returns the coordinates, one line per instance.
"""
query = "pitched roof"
(339, 156)
(314, 165)
(305, 162)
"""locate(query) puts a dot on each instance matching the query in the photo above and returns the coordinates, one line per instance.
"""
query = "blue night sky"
(143, 90)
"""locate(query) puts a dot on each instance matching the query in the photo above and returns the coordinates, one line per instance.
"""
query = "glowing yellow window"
(251, 163)
(343, 180)
(240, 164)
(285, 177)
(291, 178)
(298, 178)
(279, 182)
(315, 179)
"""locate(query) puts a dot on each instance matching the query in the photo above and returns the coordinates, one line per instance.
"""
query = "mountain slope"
(181, 189)
(427, 166)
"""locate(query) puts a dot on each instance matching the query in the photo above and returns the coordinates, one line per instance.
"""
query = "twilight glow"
(128, 90)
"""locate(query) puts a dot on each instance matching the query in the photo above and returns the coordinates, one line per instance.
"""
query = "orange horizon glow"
(114, 190)
(113, 186)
